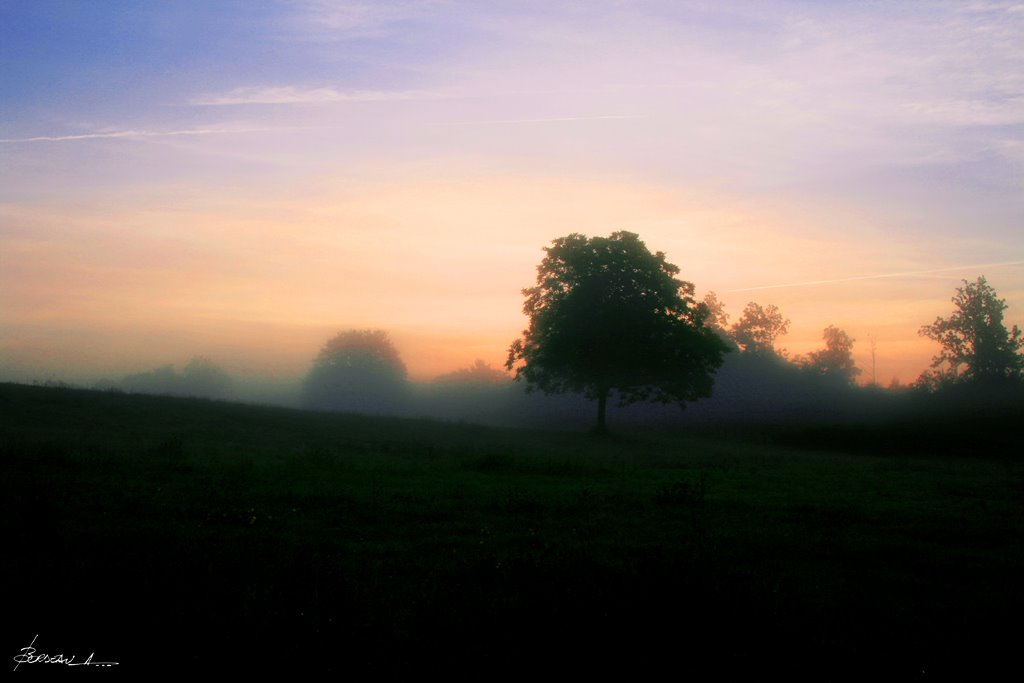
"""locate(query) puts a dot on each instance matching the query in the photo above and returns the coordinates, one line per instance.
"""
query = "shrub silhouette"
(199, 378)
(357, 370)
(478, 375)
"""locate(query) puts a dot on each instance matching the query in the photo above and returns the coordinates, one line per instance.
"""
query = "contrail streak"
(908, 273)
(137, 134)
(560, 119)
(131, 134)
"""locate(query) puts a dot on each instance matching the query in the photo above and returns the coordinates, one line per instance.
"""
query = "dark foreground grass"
(181, 535)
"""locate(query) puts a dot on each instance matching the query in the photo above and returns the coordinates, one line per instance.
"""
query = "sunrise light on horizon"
(242, 181)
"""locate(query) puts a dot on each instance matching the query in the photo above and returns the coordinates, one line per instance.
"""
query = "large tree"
(608, 316)
(975, 343)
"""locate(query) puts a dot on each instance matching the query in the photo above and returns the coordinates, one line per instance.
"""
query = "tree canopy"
(607, 316)
(976, 346)
(356, 370)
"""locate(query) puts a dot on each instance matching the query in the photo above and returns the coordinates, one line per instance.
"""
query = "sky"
(242, 180)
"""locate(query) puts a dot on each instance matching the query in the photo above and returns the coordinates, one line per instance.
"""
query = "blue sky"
(176, 175)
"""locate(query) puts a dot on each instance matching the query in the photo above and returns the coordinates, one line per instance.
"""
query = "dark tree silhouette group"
(611, 321)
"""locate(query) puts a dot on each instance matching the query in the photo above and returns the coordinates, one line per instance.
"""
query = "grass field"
(178, 535)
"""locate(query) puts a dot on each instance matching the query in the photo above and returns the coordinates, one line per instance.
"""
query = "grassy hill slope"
(171, 534)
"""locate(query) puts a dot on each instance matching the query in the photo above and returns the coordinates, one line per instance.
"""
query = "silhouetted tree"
(758, 328)
(608, 315)
(357, 370)
(975, 343)
(836, 359)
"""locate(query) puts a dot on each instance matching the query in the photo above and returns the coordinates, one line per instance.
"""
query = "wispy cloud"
(132, 134)
(343, 19)
(879, 276)
(1001, 112)
(295, 95)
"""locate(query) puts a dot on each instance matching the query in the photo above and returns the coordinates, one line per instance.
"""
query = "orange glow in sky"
(204, 199)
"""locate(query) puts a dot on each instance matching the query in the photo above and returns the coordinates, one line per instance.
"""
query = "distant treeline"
(749, 389)
(200, 378)
(979, 370)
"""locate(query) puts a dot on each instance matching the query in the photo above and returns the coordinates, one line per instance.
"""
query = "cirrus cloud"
(298, 95)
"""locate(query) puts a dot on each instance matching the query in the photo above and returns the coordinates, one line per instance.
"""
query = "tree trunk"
(602, 403)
